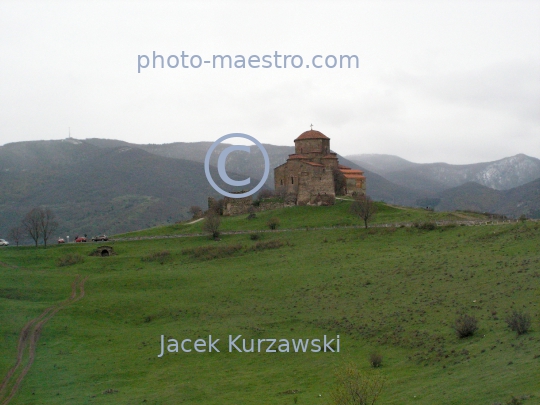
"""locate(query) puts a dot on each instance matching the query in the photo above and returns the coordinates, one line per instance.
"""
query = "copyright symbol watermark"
(221, 165)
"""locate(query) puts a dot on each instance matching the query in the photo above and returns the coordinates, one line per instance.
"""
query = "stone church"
(309, 175)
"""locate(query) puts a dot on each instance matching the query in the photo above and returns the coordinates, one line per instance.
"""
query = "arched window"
(281, 182)
(292, 180)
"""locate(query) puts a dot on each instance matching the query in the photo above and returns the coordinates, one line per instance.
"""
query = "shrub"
(266, 193)
(212, 223)
(271, 244)
(514, 401)
(273, 223)
(69, 260)
(196, 211)
(159, 257)
(375, 359)
(465, 326)
(212, 252)
(353, 387)
(254, 236)
(519, 322)
(428, 226)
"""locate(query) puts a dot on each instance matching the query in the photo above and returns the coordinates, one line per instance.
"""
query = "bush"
(427, 226)
(273, 223)
(271, 244)
(69, 260)
(514, 401)
(519, 322)
(212, 252)
(254, 236)
(266, 193)
(353, 387)
(375, 359)
(196, 211)
(465, 326)
(212, 222)
(159, 257)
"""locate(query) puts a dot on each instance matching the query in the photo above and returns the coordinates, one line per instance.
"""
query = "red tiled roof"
(314, 164)
(344, 167)
(354, 176)
(351, 171)
(312, 134)
(330, 156)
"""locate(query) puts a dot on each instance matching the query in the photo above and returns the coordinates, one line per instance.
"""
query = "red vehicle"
(80, 239)
(61, 240)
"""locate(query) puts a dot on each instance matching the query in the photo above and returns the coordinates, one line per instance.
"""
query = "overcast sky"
(437, 81)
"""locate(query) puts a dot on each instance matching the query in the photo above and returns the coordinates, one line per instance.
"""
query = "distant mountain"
(524, 199)
(250, 164)
(247, 164)
(381, 164)
(502, 174)
(95, 190)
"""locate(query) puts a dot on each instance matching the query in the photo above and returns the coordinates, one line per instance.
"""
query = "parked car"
(61, 240)
(80, 239)
(100, 238)
(4, 242)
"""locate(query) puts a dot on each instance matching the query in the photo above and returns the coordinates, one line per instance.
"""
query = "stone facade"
(241, 206)
(307, 178)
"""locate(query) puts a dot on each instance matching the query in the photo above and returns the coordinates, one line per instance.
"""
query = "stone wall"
(236, 206)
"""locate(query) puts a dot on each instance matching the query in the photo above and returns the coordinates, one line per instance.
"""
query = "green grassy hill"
(391, 290)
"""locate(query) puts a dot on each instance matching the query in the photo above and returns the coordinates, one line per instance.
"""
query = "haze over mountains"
(109, 186)
(502, 174)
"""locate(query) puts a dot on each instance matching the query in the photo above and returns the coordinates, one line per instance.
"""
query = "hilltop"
(108, 186)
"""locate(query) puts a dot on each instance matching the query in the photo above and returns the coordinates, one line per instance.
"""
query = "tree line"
(38, 224)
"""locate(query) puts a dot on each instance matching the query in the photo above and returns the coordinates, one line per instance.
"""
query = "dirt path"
(194, 222)
(28, 339)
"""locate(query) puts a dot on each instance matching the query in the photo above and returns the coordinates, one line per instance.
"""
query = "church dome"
(311, 134)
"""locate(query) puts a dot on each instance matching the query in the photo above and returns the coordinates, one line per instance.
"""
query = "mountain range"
(110, 186)
(502, 174)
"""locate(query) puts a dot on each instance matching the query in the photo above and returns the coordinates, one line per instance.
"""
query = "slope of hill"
(380, 163)
(95, 190)
(392, 291)
(523, 200)
(502, 174)
(251, 165)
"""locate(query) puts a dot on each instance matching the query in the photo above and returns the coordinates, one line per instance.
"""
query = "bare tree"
(48, 224)
(16, 234)
(363, 207)
(217, 206)
(211, 223)
(196, 211)
(31, 224)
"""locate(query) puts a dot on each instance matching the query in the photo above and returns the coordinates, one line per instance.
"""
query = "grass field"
(300, 217)
(395, 291)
